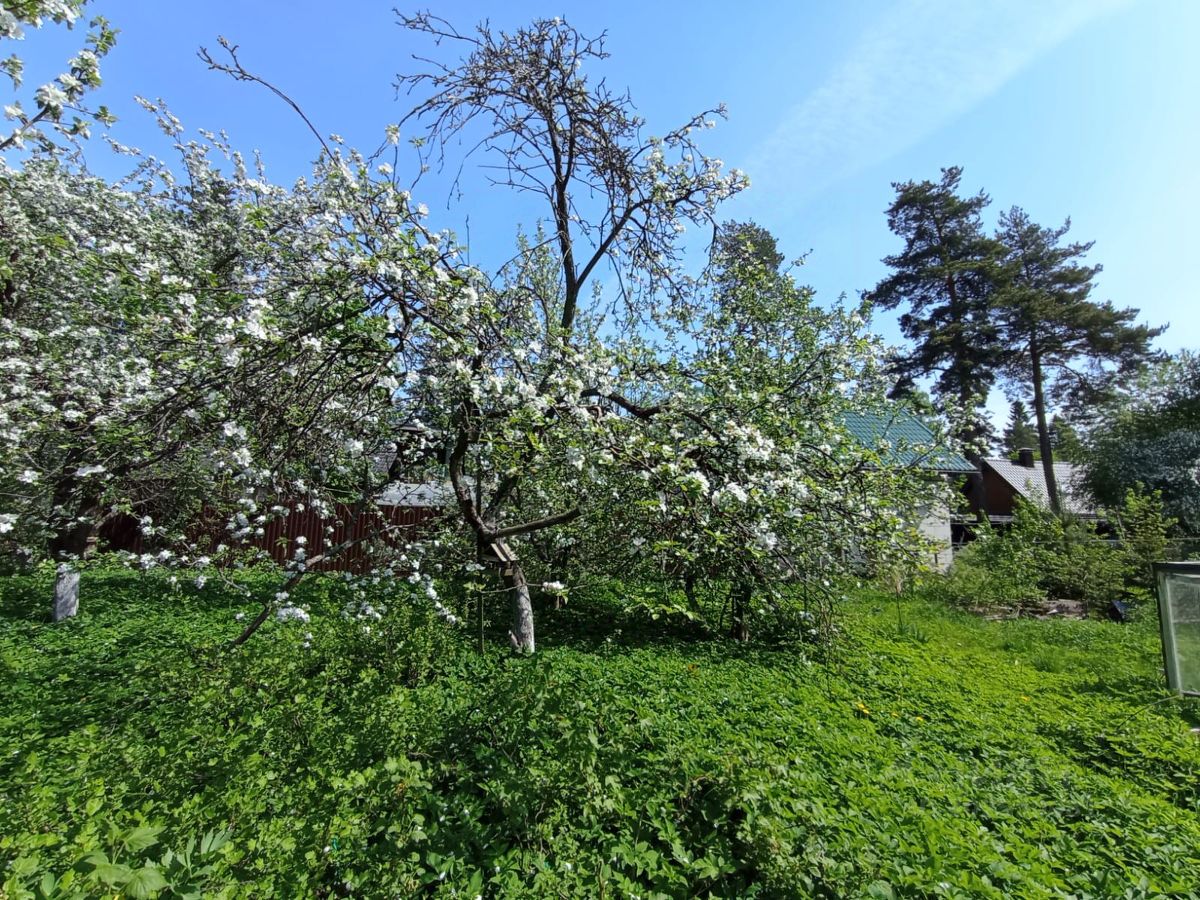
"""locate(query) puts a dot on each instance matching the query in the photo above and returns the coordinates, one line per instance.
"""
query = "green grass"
(928, 754)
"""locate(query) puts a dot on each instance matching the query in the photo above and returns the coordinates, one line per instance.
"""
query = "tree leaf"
(145, 882)
(112, 874)
(141, 837)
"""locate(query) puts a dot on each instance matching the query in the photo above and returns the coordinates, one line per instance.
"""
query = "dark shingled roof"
(908, 436)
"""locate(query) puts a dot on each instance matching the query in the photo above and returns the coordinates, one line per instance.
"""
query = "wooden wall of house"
(998, 494)
(122, 533)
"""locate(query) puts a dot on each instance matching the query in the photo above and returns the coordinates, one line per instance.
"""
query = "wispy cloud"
(910, 72)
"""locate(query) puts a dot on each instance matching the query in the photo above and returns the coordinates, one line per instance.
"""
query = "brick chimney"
(1025, 457)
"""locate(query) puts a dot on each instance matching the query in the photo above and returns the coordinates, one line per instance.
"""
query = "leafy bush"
(1041, 556)
(999, 568)
(1081, 565)
(1151, 437)
(1144, 530)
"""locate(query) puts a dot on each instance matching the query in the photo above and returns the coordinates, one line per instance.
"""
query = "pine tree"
(1068, 446)
(946, 274)
(741, 246)
(1018, 434)
(1056, 342)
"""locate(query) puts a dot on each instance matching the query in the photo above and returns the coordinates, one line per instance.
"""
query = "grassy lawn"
(929, 753)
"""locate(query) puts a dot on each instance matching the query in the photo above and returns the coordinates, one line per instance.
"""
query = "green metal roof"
(908, 436)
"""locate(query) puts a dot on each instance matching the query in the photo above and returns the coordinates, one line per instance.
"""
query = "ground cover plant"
(925, 753)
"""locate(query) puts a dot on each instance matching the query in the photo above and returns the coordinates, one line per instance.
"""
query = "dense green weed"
(928, 753)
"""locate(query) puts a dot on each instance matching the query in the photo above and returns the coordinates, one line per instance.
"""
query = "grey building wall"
(935, 527)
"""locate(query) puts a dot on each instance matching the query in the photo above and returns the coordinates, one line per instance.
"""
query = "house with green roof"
(904, 440)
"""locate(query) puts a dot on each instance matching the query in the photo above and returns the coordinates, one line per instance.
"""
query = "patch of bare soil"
(1043, 609)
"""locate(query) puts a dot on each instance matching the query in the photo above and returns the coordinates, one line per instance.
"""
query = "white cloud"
(911, 71)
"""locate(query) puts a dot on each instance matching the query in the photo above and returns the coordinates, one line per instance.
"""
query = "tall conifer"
(1056, 342)
(946, 276)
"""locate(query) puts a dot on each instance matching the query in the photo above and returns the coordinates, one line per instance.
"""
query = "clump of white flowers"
(289, 613)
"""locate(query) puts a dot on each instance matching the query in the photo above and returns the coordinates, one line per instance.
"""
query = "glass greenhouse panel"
(1179, 621)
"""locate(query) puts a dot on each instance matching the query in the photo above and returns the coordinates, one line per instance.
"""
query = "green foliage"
(1068, 446)
(974, 581)
(1150, 435)
(1082, 565)
(997, 569)
(1018, 434)
(136, 720)
(1055, 342)
(1049, 328)
(1144, 529)
(947, 275)
(944, 757)
(1039, 557)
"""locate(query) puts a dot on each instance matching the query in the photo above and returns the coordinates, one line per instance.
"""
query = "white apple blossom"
(292, 614)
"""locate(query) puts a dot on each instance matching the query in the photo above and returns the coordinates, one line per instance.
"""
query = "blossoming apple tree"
(728, 462)
(46, 120)
(550, 398)
(198, 339)
(176, 347)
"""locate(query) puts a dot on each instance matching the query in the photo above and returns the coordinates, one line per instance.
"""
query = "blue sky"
(1080, 108)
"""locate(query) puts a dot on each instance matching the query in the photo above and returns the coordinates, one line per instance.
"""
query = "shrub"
(999, 568)
(1081, 565)
(1041, 556)
(1143, 527)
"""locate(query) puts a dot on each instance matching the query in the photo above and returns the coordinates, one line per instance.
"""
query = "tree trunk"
(689, 591)
(739, 606)
(1039, 409)
(66, 593)
(76, 541)
(521, 633)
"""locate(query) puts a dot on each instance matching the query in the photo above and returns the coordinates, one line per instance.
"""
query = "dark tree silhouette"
(947, 275)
